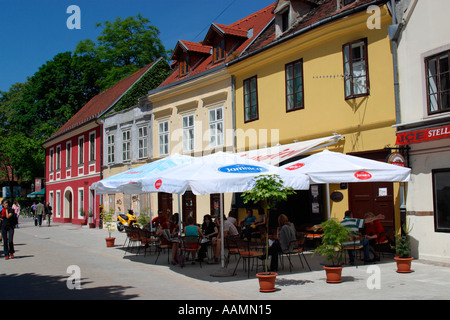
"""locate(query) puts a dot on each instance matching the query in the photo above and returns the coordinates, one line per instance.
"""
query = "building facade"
(424, 123)
(193, 109)
(322, 69)
(74, 155)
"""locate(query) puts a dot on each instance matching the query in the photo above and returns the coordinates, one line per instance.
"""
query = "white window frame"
(68, 154)
(58, 158)
(164, 141)
(110, 147)
(216, 127)
(188, 132)
(126, 145)
(142, 142)
(80, 202)
(92, 146)
(51, 166)
(80, 150)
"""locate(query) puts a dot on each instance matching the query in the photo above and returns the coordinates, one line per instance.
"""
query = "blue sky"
(32, 32)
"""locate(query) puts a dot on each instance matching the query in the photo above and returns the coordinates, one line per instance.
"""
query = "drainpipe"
(100, 224)
(394, 31)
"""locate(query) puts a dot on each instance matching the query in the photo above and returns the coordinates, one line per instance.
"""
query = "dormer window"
(285, 20)
(184, 66)
(219, 50)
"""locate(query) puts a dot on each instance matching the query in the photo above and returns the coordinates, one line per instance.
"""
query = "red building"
(73, 156)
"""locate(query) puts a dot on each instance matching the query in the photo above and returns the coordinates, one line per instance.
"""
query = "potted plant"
(268, 190)
(91, 219)
(334, 235)
(110, 225)
(83, 215)
(403, 251)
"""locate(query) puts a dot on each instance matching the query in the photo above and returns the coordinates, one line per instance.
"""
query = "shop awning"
(276, 155)
(36, 194)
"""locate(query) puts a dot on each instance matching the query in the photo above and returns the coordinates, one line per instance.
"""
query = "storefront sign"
(397, 159)
(417, 136)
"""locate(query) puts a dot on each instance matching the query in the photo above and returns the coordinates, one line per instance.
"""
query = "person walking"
(40, 211)
(48, 212)
(9, 221)
(16, 208)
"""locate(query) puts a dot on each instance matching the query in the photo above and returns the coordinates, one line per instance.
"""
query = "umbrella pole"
(179, 216)
(328, 200)
(222, 272)
(222, 246)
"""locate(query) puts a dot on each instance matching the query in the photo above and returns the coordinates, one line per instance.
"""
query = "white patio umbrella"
(128, 182)
(335, 167)
(217, 173)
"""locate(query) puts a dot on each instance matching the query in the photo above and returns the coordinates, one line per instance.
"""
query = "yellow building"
(315, 71)
(193, 109)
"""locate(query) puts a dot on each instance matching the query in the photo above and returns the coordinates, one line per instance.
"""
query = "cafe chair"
(296, 247)
(133, 239)
(190, 245)
(147, 239)
(163, 244)
(231, 247)
(248, 250)
(356, 247)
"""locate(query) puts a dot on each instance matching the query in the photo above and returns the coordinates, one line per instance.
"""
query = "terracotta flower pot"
(333, 274)
(403, 264)
(110, 242)
(267, 281)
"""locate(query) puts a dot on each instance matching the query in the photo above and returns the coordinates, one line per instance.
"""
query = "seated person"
(354, 225)
(260, 224)
(249, 224)
(210, 231)
(285, 234)
(229, 230)
(192, 230)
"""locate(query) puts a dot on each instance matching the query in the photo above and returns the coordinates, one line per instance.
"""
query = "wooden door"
(375, 197)
(189, 205)
(165, 203)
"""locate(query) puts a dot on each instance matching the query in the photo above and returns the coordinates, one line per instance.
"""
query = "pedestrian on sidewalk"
(48, 212)
(40, 211)
(9, 221)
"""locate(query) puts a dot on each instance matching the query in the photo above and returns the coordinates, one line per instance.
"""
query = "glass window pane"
(289, 87)
(441, 189)
(299, 100)
(289, 72)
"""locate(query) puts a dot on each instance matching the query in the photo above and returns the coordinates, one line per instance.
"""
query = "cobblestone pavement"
(49, 259)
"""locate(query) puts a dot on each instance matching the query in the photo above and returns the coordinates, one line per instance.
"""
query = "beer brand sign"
(417, 136)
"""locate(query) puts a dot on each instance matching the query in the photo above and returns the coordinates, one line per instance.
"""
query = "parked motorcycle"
(126, 220)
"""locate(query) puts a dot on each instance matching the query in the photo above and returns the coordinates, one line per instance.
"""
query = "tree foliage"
(32, 112)
(124, 46)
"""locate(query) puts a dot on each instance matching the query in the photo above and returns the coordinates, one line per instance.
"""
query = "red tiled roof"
(325, 9)
(227, 30)
(256, 21)
(190, 46)
(100, 103)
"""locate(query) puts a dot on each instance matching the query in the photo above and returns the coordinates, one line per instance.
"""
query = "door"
(165, 203)
(189, 205)
(375, 197)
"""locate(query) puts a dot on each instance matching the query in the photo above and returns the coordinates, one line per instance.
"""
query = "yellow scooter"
(125, 220)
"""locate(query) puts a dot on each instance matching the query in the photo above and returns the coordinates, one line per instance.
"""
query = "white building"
(423, 122)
